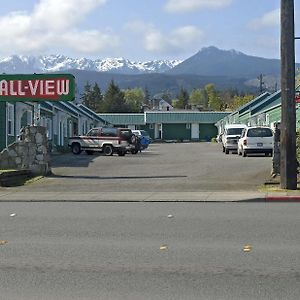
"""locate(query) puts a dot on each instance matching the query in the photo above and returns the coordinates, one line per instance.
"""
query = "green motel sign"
(37, 87)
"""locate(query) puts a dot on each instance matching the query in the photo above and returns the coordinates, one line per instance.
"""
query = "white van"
(231, 136)
(256, 139)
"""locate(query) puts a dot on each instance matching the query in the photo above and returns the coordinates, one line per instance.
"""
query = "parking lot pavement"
(193, 168)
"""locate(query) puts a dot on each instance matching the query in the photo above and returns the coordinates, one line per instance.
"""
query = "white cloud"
(180, 39)
(270, 19)
(53, 24)
(191, 5)
(91, 41)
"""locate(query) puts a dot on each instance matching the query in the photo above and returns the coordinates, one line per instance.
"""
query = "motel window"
(49, 128)
(70, 128)
(10, 119)
(65, 129)
(29, 117)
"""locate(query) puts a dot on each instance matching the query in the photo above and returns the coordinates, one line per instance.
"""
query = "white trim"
(10, 109)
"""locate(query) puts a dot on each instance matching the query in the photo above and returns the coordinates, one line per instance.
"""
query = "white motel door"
(195, 131)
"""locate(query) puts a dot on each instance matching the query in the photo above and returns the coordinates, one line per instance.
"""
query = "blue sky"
(140, 29)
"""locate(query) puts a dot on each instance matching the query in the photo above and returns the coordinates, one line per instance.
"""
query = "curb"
(14, 178)
(282, 199)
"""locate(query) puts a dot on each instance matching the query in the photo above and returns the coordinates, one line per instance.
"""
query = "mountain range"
(225, 68)
(59, 63)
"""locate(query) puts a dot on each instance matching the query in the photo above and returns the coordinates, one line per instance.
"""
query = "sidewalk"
(6, 196)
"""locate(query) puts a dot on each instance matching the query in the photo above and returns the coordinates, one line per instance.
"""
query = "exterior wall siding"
(207, 132)
(274, 115)
(176, 132)
(244, 119)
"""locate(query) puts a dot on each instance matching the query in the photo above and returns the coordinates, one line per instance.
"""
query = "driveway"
(182, 167)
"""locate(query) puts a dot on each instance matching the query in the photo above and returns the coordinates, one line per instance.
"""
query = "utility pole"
(261, 83)
(288, 165)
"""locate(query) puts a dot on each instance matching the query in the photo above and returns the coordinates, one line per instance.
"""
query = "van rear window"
(260, 132)
(233, 131)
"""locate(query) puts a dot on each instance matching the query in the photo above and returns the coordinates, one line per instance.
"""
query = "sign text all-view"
(37, 87)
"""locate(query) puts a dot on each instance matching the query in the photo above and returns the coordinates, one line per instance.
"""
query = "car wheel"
(89, 152)
(134, 151)
(132, 139)
(244, 154)
(108, 150)
(226, 151)
(76, 149)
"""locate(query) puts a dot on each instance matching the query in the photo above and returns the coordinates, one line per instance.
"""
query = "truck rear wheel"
(76, 149)
(108, 150)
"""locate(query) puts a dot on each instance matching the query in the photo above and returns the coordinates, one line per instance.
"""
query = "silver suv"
(231, 136)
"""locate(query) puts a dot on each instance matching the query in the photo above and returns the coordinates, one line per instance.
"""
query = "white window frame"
(267, 120)
(70, 128)
(10, 119)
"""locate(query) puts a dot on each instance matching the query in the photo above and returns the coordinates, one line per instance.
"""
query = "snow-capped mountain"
(58, 63)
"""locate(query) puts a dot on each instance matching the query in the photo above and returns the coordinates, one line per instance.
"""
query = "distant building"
(170, 125)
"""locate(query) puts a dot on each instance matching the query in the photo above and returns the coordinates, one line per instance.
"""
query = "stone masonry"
(31, 152)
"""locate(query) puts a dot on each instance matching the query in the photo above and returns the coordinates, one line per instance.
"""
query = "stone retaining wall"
(31, 152)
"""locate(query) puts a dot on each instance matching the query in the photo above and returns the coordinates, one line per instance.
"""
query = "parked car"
(106, 140)
(144, 138)
(231, 136)
(256, 139)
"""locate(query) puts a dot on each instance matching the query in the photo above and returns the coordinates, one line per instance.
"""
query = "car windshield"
(233, 131)
(260, 132)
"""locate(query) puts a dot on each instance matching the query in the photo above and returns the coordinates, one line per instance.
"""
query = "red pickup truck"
(105, 139)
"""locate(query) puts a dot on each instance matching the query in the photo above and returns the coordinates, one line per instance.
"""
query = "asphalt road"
(185, 167)
(112, 251)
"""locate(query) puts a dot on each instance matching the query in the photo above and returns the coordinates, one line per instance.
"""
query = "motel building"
(43, 99)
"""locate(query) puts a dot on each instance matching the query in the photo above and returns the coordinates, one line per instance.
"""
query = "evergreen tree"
(86, 96)
(147, 98)
(183, 99)
(114, 99)
(97, 98)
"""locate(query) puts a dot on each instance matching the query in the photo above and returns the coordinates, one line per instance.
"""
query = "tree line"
(115, 100)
